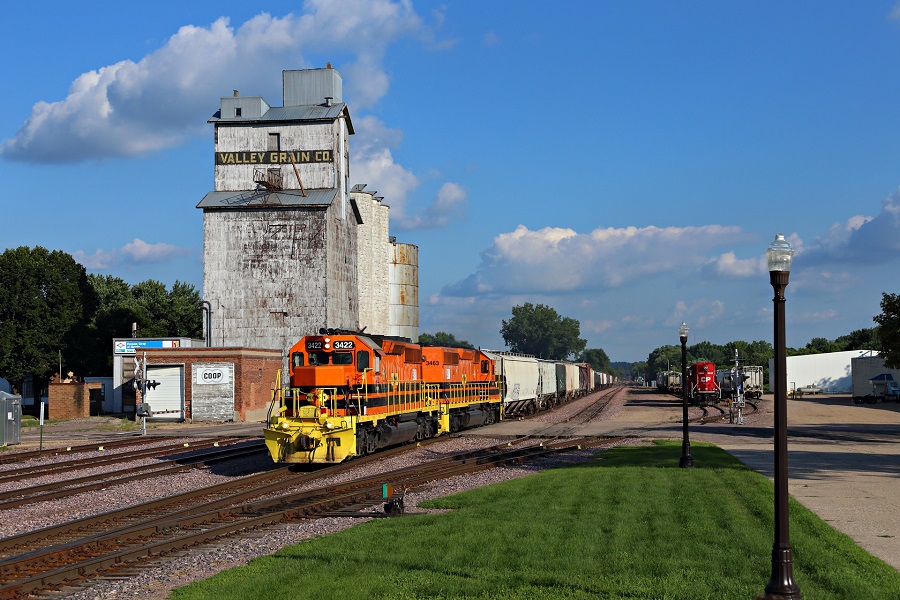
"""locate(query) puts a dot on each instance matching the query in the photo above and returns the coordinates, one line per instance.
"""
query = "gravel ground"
(175, 571)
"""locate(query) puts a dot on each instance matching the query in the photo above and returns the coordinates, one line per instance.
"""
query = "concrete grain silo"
(404, 290)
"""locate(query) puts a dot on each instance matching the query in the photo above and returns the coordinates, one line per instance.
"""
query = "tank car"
(348, 394)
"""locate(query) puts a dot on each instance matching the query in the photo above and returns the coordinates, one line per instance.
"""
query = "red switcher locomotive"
(703, 389)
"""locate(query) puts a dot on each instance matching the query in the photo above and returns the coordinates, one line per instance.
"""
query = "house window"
(237, 111)
(274, 142)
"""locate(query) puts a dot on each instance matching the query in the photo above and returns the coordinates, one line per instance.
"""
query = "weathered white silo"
(404, 290)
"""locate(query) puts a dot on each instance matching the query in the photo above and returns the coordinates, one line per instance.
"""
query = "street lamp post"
(687, 460)
(781, 584)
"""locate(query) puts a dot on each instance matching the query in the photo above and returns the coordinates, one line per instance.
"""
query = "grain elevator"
(288, 246)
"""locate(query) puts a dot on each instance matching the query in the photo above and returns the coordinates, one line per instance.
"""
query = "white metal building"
(831, 372)
(867, 367)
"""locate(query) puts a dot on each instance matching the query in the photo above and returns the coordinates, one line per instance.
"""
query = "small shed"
(11, 411)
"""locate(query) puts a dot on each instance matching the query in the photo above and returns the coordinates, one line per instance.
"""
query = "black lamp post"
(781, 584)
(687, 460)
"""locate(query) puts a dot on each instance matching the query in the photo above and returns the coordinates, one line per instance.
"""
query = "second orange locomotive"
(349, 394)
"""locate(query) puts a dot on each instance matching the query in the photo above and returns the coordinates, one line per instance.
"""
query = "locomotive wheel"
(365, 442)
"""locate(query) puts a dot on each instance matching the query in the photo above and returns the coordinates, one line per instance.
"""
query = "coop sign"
(212, 375)
(273, 157)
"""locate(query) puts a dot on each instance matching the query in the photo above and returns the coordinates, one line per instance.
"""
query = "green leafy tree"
(46, 300)
(442, 338)
(597, 358)
(640, 369)
(116, 311)
(664, 358)
(539, 330)
(861, 339)
(818, 345)
(162, 313)
(888, 330)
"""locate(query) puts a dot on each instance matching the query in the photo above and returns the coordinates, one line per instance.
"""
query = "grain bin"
(404, 290)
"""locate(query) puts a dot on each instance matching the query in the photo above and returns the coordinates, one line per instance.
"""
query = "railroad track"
(594, 409)
(722, 412)
(35, 471)
(14, 457)
(211, 453)
(101, 546)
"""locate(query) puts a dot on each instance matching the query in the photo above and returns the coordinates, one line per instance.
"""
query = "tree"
(539, 330)
(116, 311)
(664, 358)
(597, 358)
(888, 330)
(861, 339)
(162, 313)
(640, 369)
(46, 300)
(819, 345)
(442, 338)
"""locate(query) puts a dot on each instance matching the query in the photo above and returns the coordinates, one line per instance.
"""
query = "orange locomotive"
(349, 394)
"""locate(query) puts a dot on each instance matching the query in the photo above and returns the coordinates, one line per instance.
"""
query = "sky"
(625, 163)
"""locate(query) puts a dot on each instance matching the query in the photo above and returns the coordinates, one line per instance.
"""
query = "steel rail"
(35, 471)
(61, 489)
(218, 523)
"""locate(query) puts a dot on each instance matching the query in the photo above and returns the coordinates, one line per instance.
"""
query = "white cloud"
(729, 265)
(135, 252)
(872, 240)
(132, 108)
(139, 251)
(816, 316)
(895, 12)
(699, 313)
(560, 260)
(373, 164)
(100, 260)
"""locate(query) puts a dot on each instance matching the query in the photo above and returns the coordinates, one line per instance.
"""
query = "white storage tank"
(404, 290)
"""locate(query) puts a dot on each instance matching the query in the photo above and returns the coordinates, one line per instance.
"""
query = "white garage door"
(167, 400)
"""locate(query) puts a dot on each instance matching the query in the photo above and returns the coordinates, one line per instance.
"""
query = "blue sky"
(626, 163)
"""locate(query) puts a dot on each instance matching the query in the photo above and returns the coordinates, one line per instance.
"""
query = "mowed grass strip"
(630, 524)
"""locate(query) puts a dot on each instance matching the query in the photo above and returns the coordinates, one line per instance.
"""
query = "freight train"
(348, 393)
(669, 381)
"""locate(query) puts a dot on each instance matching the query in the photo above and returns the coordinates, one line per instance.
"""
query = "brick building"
(211, 384)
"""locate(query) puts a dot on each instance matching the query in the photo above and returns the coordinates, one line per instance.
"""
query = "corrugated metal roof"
(314, 112)
(266, 199)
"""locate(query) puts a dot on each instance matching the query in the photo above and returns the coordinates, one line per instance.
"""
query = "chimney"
(236, 94)
(328, 100)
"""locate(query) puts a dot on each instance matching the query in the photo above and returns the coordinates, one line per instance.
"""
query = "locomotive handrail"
(277, 395)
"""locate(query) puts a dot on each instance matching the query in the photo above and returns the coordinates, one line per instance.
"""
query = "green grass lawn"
(630, 524)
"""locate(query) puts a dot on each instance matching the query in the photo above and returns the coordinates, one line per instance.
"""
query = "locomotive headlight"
(285, 425)
(329, 425)
(327, 345)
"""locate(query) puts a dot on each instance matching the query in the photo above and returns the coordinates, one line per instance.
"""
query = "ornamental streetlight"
(781, 584)
(687, 460)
